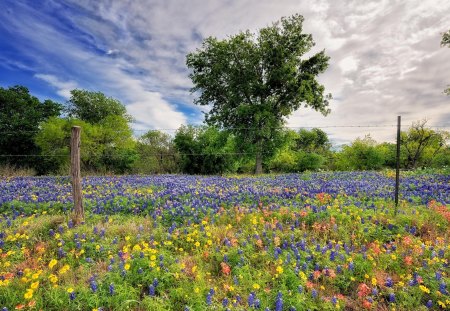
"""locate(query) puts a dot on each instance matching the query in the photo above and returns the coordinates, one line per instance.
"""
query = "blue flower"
(225, 302)
(391, 297)
(279, 302)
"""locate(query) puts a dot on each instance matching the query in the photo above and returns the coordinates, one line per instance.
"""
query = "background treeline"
(35, 135)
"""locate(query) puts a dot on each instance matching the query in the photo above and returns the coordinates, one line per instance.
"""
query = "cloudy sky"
(386, 58)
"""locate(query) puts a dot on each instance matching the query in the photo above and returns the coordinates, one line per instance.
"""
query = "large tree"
(157, 154)
(107, 143)
(93, 107)
(20, 115)
(254, 81)
(421, 144)
(204, 150)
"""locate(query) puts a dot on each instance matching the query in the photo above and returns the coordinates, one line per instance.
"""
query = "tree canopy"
(254, 81)
(106, 136)
(93, 107)
(20, 115)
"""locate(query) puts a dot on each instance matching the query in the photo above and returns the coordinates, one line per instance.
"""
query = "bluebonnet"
(279, 302)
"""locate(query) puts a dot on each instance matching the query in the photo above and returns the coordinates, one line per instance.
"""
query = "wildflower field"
(317, 241)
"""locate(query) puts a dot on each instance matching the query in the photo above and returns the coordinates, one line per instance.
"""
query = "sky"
(385, 56)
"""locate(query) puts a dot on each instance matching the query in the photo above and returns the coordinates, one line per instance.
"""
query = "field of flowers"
(321, 241)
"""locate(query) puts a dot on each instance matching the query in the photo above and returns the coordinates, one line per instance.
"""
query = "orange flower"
(408, 260)
(20, 306)
(367, 304)
(316, 275)
(225, 268)
(32, 303)
(363, 290)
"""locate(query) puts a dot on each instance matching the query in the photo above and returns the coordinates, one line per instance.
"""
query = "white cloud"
(385, 55)
(348, 64)
(63, 88)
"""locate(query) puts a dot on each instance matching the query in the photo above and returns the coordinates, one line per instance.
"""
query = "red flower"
(225, 268)
(408, 260)
(363, 290)
(367, 304)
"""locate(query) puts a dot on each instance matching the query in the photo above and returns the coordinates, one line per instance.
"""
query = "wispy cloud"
(63, 88)
(385, 55)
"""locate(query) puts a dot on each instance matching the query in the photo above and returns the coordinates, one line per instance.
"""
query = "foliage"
(361, 154)
(422, 144)
(301, 151)
(204, 150)
(254, 81)
(156, 154)
(107, 146)
(93, 107)
(20, 115)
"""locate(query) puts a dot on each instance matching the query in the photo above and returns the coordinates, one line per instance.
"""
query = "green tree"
(20, 115)
(254, 81)
(422, 144)
(205, 150)
(315, 140)
(301, 151)
(106, 136)
(361, 154)
(93, 107)
(105, 147)
(156, 154)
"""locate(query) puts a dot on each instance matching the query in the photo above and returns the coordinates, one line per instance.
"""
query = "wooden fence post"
(397, 167)
(76, 174)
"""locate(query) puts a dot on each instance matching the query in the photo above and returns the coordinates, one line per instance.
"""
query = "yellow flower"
(374, 281)
(28, 294)
(424, 289)
(70, 290)
(152, 257)
(279, 269)
(52, 263)
(34, 285)
(256, 286)
(53, 278)
(197, 244)
(64, 269)
(441, 304)
(127, 266)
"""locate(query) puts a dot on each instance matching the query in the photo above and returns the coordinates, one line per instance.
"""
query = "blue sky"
(385, 55)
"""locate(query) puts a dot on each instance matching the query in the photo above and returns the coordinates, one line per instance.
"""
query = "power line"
(253, 128)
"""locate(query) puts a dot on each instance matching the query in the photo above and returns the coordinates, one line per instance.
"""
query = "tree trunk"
(258, 169)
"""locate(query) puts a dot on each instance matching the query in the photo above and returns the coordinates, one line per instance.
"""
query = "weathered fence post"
(76, 174)
(397, 170)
